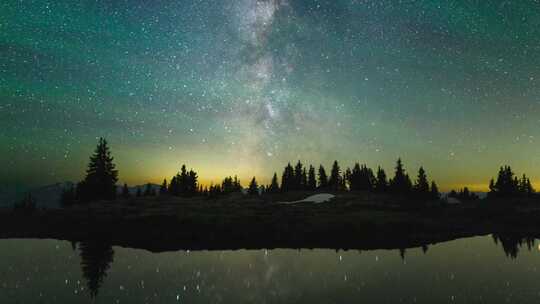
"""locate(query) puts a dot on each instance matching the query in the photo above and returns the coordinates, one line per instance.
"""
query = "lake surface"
(474, 270)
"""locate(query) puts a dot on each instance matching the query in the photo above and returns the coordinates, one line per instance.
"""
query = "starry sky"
(243, 86)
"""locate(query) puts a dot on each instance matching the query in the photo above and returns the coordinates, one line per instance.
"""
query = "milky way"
(242, 87)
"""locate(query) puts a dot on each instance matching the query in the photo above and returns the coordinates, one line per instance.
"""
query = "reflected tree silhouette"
(96, 259)
(511, 243)
(402, 252)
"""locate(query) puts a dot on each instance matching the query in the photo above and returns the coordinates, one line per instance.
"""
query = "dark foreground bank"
(349, 222)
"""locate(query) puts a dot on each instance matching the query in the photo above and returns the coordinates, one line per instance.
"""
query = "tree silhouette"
(421, 187)
(253, 187)
(297, 180)
(304, 179)
(360, 178)
(434, 191)
(185, 183)
(274, 185)
(506, 185)
(311, 179)
(96, 259)
(464, 195)
(401, 183)
(381, 184)
(288, 179)
(323, 178)
(163, 189)
(139, 192)
(335, 180)
(101, 175)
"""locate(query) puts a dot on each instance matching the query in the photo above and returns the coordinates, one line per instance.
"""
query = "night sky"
(244, 86)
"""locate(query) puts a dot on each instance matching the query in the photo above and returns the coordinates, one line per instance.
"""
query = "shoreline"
(169, 224)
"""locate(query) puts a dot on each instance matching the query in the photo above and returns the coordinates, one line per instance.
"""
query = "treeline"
(101, 179)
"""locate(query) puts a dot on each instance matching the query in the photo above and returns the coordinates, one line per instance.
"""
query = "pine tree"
(434, 191)
(381, 184)
(237, 185)
(303, 179)
(323, 178)
(297, 180)
(163, 188)
(253, 187)
(101, 175)
(287, 179)
(421, 187)
(506, 185)
(312, 178)
(125, 192)
(401, 183)
(274, 185)
(334, 182)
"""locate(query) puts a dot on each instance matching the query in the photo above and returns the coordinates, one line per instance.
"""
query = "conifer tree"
(236, 184)
(312, 178)
(381, 184)
(253, 187)
(297, 180)
(335, 182)
(101, 175)
(163, 188)
(401, 183)
(421, 187)
(303, 179)
(506, 184)
(274, 185)
(323, 178)
(173, 186)
(434, 191)
(287, 179)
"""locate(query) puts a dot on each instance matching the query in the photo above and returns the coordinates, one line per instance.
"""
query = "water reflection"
(512, 243)
(473, 270)
(96, 259)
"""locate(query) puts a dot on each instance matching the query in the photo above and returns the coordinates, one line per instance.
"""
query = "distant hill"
(46, 196)
(49, 196)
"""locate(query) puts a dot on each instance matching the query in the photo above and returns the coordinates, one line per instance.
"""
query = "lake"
(473, 270)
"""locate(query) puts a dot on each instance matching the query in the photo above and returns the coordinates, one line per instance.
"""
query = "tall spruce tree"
(335, 182)
(506, 185)
(288, 179)
(312, 178)
(253, 187)
(401, 183)
(163, 188)
(298, 169)
(381, 185)
(101, 175)
(434, 191)
(421, 187)
(274, 185)
(323, 178)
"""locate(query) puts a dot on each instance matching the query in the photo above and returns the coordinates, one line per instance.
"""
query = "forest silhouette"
(100, 183)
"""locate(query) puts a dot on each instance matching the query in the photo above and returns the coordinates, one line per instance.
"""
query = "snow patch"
(316, 199)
